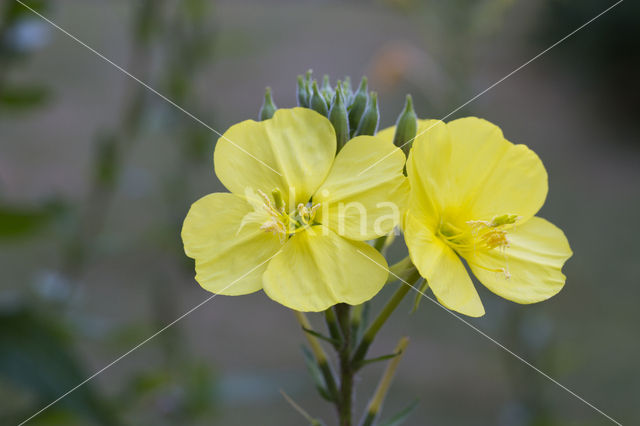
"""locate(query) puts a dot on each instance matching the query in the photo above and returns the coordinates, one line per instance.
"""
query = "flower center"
(477, 235)
(286, 223)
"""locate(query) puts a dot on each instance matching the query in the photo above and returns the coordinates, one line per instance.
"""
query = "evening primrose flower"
(474, 195)
(297, 215)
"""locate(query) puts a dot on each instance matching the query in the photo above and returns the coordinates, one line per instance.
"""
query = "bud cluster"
(351, 113)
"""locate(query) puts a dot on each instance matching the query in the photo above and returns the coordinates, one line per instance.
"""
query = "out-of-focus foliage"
(21, 33)
(21, 221)
(37, 361)
(38, 337)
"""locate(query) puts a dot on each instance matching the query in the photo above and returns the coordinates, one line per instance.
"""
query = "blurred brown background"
(96, 175)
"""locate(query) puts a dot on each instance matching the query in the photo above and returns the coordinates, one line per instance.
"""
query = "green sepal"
(317, 102)
(339, 117)
(316, 374)
(268, 106)
(406, 127)
(358, 106)
(369, 122)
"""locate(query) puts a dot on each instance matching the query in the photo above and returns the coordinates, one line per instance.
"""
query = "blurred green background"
(97, 173)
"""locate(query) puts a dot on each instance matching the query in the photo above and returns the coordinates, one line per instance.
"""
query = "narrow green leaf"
(321, 336)
(378, 359)
(316, 373)
(36, 354)
(400, 418)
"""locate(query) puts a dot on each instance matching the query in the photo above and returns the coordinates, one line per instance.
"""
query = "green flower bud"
(307, 84)
(406, 127)
(346, 90)
(339, 117)
(326, 90)
(369, 122)
(317, 102)
(357, 107)
(268, 107)
(302, 93)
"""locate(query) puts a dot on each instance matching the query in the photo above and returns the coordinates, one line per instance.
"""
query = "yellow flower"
(474, 195)
(297, 214)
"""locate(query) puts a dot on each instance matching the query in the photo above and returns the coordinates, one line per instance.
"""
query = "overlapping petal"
(428, 171)
(469, 169)
(493, 176)
(230, 260)
(293, 151)
(533, 262)
(317, 269)
(365, 192)
(442, 268)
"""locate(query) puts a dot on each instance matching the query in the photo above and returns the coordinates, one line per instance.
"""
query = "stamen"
(480, 235)
(280, 222)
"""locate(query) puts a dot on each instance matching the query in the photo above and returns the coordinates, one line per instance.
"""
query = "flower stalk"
(347, 371)
(369, 335)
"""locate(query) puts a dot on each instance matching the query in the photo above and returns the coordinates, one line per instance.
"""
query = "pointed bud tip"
(363, 84)
(408, 104)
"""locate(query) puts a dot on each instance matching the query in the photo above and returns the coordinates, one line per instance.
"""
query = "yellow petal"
(387, 134)
(317, 269)
(428, 171)
(491, 176)
(442, 268)
(229, 260)
(365, 193)
(533, 262)
(293, 151)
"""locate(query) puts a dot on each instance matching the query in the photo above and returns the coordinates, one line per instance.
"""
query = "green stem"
(376, 325)
(379, 243)
(347, 372)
